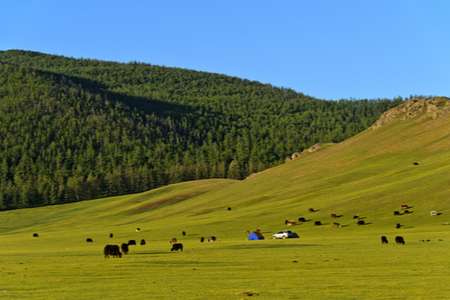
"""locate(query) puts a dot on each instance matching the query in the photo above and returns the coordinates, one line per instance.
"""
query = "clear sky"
(328, 49)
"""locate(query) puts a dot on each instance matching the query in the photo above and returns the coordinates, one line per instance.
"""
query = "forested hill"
(73, 129)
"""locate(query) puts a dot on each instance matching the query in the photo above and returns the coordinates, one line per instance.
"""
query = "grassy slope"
(370, 174)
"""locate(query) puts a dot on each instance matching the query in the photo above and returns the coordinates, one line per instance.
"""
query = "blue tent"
(252, 236)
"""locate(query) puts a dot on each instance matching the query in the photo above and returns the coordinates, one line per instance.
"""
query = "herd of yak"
(115, 251)
(112, 250)
(404, 210)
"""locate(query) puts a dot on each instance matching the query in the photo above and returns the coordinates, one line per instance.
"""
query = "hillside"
(75, 129)
(370, 175)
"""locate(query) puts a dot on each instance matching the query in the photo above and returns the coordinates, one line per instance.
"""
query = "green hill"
(75, 129)
(371, 175)
(402, 159)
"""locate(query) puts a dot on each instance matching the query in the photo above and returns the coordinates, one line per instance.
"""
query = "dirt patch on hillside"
(428, 107)
(163, 202)
(312, 149)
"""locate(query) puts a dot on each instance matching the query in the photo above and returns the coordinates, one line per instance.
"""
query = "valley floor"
(343, 266)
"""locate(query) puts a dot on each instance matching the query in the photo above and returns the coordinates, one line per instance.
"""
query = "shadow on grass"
(152, 253)
(268, 246)
(185, 263)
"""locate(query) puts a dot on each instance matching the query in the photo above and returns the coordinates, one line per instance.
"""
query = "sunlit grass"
(370, 175)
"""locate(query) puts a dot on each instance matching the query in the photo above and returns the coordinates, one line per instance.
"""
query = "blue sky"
(328, 49)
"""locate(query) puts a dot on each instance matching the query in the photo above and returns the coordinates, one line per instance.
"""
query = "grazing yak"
(138, 229)
(398, 225)
(177, 246)
(229, 208)
(212, 239)
(89, 240)
(183, 233)
(111, 235)
(143, 242)
(397, 213)
(290, 222)
(384, 239)
(313, 210)
(399, 240)
(124, 248)
(302, 219)
(202, 239)
(317, 223)
(361, 222)
(131, 242)
(333, 215)
(35, 234)
(112, 250)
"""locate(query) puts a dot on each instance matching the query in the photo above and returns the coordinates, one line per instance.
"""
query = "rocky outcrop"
(428, 107)
(313, 148)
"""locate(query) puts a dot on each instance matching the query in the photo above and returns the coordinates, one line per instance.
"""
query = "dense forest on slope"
(73, 129)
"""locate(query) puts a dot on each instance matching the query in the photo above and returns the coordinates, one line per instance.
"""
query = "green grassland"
(370, 175)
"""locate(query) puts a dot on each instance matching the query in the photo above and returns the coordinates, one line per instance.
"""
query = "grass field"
(340, 267)
(370, 175)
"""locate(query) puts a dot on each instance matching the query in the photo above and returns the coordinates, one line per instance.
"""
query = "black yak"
(384, 240)
(112, 250)
(177, 246)
(89, 240)
(399, 240)
(124, 248)
(131, 242)
(35, 234)
(143, 242)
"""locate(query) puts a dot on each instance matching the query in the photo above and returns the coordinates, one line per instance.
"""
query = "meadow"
(369, 175)
(333, 265)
